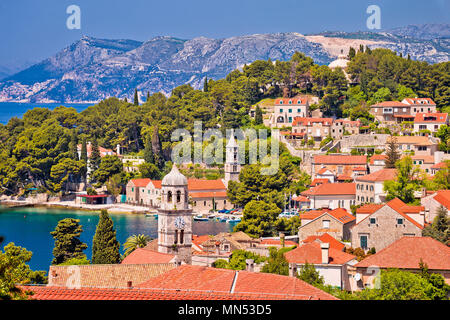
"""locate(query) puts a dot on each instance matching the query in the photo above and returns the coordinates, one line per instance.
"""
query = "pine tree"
(258, 115)
(148, 95)
(105, 247)
(148, 152)
(205, 85)
(67, 241)
(392, 153)
(136, 98)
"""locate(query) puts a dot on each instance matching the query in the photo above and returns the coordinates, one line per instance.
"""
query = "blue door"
(363, 242)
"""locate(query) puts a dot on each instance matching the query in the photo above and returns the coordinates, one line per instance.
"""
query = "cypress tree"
(258, 115)
(148, 95)
(392, 153)
(105, 247)
(67, 241)
(351, 53)
(205, 85)
(94, 160)
(83, 155)
(148, 152)
(73, 149)
(157, 148)
(136, 97)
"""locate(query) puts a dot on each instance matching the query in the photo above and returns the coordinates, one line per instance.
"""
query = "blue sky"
(31, 30)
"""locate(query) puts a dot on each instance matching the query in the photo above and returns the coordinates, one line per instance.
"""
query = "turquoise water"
(30, 228)
(16, 109)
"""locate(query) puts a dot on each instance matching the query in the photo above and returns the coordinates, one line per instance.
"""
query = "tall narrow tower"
(232, 163)
(175, 217)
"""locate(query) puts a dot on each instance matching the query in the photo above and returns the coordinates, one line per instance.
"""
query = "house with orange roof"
(332, 264)
(433, 202)
(417, 145)
(341, 126)
(337, 164)
(144, 192)
(391, 111)
(331, 195)
(315, 128)
(301, 202)
(404, 254)
(369, 188)
(286, 109)
(325, 173)
(377, 162)
(379, 225)
(438, 166)
(420, 105)
(430, 121)
(337, 223)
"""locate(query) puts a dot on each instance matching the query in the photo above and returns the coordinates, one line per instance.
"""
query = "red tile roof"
(322, 171)
(302, 121)
(318, 181)
(443, 197)
(203, 184)
(61, 293)
(440, 165)
(417, 101)
(380, 175)
(360, 169)
(143, 256)
(377, 157)
(301, 199)
(406, 253)
(326, 238)
(294, 101)
(399, 206)
(331, 189)
(312, 253)
(141, 183)
(188, 277)
(431, 118)
(390, 104)
(220, 194)
(275, 242)
(198, 240)
(369, 208)
(344, 177)
(340, 214)
(340, 159)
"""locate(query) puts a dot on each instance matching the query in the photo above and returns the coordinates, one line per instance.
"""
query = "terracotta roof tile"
(331, 189)
(312, 253)
(141, 183)
(377, 157)
(443, 197)
(302, 121)
(340, 159)
(390, 104)
(326, 238)
(380, 175)
(431, 118)
(203, 184)
(417, 101)
(406, 253)
(145, 256)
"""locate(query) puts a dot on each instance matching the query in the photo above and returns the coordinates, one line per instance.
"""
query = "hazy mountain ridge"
(93, 69)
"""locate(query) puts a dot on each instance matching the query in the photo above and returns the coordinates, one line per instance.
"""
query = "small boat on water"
(199, 217)
(211, 216)
(154, 215)
(223, 219)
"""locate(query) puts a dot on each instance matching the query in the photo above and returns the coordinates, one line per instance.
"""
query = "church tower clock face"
(179, 223)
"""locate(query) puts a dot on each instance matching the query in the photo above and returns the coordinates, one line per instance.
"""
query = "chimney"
(282, 239)
(249, 265)
(325, 256)
(217, 247)
(118, 149)
(292, 270)
(129, 284)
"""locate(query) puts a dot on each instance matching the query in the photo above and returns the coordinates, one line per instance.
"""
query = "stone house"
(337, 223)
(315, 128)
(379, 225)
(341, 126)
(433, 202)
(420, 105)
(337, 164)
(369, 188)
(417, 145)
(377, 162)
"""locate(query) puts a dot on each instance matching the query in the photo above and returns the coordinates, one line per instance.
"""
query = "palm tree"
(135, 241)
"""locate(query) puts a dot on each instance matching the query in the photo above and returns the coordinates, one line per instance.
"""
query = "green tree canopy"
(105, 247)
(67, 241)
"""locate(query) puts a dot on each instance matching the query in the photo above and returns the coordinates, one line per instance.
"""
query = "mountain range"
(92, 69)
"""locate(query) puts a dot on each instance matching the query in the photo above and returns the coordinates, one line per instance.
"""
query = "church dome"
(174, 178)
(340, 62)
